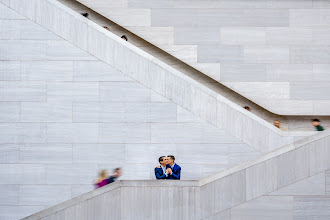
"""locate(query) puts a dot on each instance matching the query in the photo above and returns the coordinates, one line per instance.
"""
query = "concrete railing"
(200, 199)
(152, 73)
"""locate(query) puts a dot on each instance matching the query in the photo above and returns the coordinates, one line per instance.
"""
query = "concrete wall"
(290, 183)
(273, 52)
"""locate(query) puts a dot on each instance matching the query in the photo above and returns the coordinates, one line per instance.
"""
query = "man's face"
(170, 161)
(277, 124)
(315, 123)
(164, 162)
(118, 173)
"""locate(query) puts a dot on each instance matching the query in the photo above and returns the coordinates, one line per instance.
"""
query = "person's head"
(105, 27)
(85, 15)
(117, 172)
(124, 37)
(170, 159)
(315, 122)
(163, 160)
(103, 174)
(277, 124)
(247, 108)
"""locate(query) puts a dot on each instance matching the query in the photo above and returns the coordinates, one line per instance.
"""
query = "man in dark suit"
(160, 171)
(175, 170)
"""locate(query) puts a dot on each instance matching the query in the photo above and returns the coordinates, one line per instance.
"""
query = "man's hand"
(168, 171)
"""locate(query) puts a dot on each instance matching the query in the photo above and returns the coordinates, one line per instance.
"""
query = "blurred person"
(278, 125)
(173, 169)
(247, 108)
(102, 180)
(124, 37)
(316, 123)
(105, 27)
(160, 171)
(85, 15)
(115, 176)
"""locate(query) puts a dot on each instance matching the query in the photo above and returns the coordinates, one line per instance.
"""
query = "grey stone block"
(290, 4)
(321, 72)
(266, 17)
(9, 111)
(289, 36)
(63, 50)
(243, 72)
(8, 194)
(220, 17)
(23, 133)
(196, 35)
(78, 190)
(72, 91)
(46, 112)
(319, 156)
(265, 207)
(22, 173)
(9, 30)
(70, 173)
(261, 179)
(22, 50)
(10, 70)
(310, 54)
(183, 115)
(23, 91)
(97, 71)
(9, 153)
(47, 70)
(219, 54)
(243, 35)
(124, 133)
(309, 17)
(124, 92)
(72, 132)
(238, 153)
(7, 13)
(207, 200)
(32, 31)
(327, 182)
(18, 212)
(173, 17)
(289, 72)
(292, 166)
(309, 90)
(46, 153)
(266, 54)
(311, 208)
(43, 194)
(99, 153)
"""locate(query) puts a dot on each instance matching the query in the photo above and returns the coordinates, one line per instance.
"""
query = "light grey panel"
(292, 166)
(243, 36)
(212, 134)
(5, 2)
(310, 54)
(73, 91)
(142, 153)
(22, 133)
(8, 194)
(32, 31)
(321, 72)
(183, 115)
(311, 208)
(261, 179)
(47, 70)
(149, 4)
(155, 97)
(137, 112)
(46, 153)
(124, 92)
(207, 200)
(124, 133)
(220, 17)
(266, 17)
(290, 4)
(243, 72)
(78, 190)
(162, 112)
(63, 50)
(136, 171)
(316, 90)
(289, 36)
(9, 111)
(189, 171)
(266, 54)
(173, 17)
(97, 71)
(72, 132)
(46, 112)
(9, 153)
(219, 54)
(321, 36)
(314, 185)
(230, 191)
(22, 173)
(319, 156)
(70, 174)
(9, 30)
(264, 208)
(238, 153)
(226, 215)
(10, 70)
(99, 153)
(321, 4)
(309, 17)
(196, 35)
(22, 91)
(289, 72)
(202, 153)
(22, 50)
(43, 194)
(7, 13)
(18, 212)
